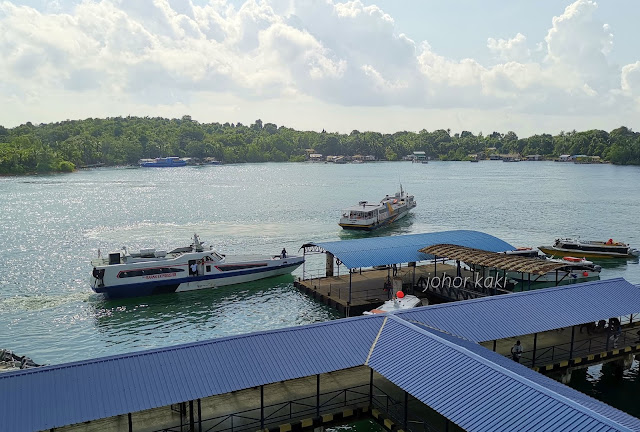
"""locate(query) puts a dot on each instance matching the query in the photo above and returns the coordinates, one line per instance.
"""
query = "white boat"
(398, 302)
(590, 249)
(150, 271)
(365, 216)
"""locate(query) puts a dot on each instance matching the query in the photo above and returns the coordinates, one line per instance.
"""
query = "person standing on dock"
(283, 254)
(516, 351)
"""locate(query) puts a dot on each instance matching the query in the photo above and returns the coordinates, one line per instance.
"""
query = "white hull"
(232, 280)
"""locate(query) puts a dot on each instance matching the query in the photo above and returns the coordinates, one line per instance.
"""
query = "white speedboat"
(365, 216)
(150, 271)
(398, 302)
(590, 249)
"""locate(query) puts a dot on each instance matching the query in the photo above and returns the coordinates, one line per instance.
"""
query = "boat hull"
(552, 250)
(192, 283)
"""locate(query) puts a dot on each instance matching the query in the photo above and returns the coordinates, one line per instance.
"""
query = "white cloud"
(152, 55)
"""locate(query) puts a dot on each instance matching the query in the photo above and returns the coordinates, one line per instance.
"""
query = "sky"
(531, 67)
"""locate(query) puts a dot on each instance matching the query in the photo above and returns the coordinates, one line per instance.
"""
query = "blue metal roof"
(504, 316)
(60, 395)
(373, 251)
(482, 391)
(474, 387)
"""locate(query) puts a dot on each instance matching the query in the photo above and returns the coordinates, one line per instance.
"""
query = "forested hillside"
(64, 146)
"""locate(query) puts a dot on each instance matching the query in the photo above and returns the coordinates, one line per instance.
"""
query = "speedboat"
(590, 249)
(151, 271)
(365, 216)
(166, 162)
(399, 301)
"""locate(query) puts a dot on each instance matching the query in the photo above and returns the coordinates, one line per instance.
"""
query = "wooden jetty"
(362, 290)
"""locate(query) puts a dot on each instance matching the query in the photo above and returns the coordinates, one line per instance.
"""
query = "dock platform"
(367, 286)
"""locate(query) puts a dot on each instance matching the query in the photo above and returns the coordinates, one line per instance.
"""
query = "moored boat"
(365, 216)
(590, 249)
(166, 162)
(399, 301)
(150, 271)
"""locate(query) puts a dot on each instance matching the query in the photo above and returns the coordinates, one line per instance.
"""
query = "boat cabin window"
(208, 268)
(114, 258)
(146, 272)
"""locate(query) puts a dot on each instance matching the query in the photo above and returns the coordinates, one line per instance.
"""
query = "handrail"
(243, 421)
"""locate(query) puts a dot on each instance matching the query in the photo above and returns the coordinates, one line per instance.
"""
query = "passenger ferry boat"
(166, 162)
(590, 249)
(365, 216)
(150, 271)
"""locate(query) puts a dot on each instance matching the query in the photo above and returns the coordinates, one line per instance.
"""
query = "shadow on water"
(185, 308)
(614, 262)
(403, 226)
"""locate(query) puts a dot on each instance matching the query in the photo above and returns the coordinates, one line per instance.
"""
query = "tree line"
(67, 145)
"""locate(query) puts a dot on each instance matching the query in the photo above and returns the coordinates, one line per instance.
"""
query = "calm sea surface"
(51, 226)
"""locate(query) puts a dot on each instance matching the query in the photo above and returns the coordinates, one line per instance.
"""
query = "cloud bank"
(119, 57)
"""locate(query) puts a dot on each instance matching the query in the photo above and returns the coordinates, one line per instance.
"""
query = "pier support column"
(565, 378)
(329, 264)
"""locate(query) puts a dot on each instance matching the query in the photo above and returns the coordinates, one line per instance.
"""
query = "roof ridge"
(524, 380)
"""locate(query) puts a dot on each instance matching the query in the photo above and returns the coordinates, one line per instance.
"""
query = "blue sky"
(461, 28)
(383, 65)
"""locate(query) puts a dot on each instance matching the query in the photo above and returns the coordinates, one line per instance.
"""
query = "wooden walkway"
(367, 287)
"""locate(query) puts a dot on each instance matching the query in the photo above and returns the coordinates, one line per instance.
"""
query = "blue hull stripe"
(171, 285)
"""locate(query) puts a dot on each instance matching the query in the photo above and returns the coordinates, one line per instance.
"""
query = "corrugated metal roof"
(510, 315)
(494, 260)
(480, 390)
(369, 252)
(472, 386)
(55, 396)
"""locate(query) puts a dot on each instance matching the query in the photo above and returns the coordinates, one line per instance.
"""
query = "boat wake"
(41, 302)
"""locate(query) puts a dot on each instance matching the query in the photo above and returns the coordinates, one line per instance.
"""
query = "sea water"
(52, 226)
